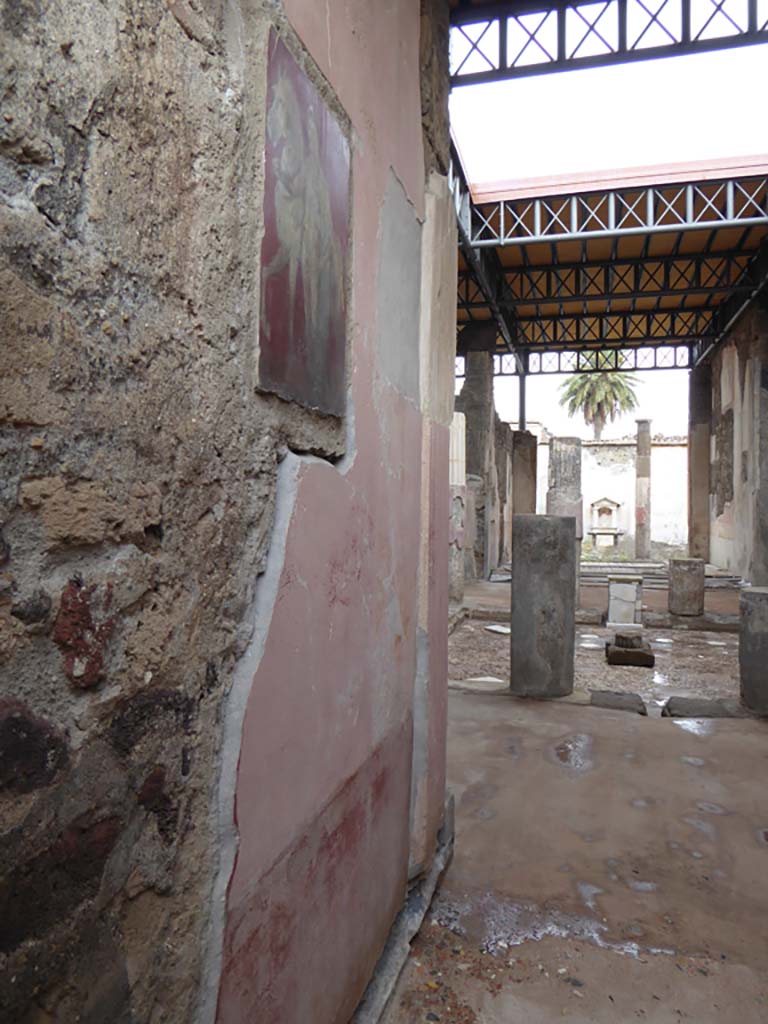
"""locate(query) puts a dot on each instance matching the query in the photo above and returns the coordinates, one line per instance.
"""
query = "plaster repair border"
(262, 609)
(225, 826)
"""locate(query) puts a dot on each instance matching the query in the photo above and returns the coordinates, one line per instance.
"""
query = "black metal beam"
(735, 306)
(608, 281)
(606, 359)
(484, 264)
(516, 40)
(658, 327)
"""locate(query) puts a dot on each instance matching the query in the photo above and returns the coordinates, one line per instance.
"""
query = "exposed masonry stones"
(80, 640)
(137, 491)
(32, 751)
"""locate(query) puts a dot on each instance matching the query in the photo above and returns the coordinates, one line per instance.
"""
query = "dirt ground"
(688, 664)
(609, 869)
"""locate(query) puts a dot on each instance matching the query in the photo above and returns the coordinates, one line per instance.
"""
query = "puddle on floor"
(587, 893)
(499, 924)
(695, 726)
(575, 752)
(638, 886)
(709, 808)
(706, 827)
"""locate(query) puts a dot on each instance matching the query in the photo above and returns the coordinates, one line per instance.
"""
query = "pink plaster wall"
(438, 625)
(323, 789)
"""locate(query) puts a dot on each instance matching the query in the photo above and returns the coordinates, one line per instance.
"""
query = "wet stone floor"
(688, 663)
(608, 868)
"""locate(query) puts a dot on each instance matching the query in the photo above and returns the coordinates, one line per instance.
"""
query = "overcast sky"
(662, 397)
(707, 106)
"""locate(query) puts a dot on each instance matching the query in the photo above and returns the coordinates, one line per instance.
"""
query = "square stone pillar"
(564, 494)
(687, 579)
(753, 648)
(524, 456)
(699, 420)
(625, 603)
(543, 605)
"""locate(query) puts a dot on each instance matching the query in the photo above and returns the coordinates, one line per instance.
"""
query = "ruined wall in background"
(608, 471)
(164, 540)
(476, 401)
(739, 451)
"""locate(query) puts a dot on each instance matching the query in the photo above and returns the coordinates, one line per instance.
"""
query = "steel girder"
(621, 279)
(618, 329)
(485, 265)
(615, 213)
(735, 305)
(533, 37)
(592, 360)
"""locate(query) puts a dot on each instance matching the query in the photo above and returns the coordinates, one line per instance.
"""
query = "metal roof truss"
(611, 213)
(498, 41)
(592, 360)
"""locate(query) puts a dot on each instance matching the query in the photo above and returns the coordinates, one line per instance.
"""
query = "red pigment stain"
(80, 640)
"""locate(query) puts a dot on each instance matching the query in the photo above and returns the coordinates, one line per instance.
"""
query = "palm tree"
(599, 397)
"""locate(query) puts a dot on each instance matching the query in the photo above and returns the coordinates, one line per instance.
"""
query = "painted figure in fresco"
(307, 243)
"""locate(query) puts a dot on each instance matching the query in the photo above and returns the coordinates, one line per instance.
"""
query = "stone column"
(699, 417)
(687, 579)
(524, 456)
(476, 402)
(643, 491)
(753, 648)
(564, 492)
(543, 605)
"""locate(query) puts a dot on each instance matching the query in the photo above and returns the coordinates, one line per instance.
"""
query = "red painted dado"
(305, 937)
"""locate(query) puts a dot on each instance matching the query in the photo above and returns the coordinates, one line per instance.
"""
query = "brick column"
(643, 491)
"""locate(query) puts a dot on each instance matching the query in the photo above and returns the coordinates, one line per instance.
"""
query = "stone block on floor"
(701, 707)
(625, 601)
(618, 701)
(630, 641)
(641, 657)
